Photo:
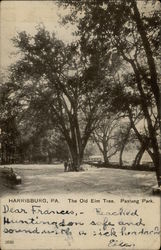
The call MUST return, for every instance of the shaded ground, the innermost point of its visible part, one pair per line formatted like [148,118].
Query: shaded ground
[47,179]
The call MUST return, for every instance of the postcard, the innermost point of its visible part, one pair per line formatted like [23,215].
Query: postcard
[80,125]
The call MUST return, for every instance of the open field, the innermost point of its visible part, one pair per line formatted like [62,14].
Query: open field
[51,179]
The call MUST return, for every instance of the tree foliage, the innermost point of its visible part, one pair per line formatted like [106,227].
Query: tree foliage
[55,83]
[131,33]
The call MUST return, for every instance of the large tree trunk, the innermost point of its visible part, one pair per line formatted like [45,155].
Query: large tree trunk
[154,89]
[121,154]
[156,158]
[105,157]
[2,154]
[76,155]
[106,160]
[154,86]
[149,54]
[123,146]
[139,156]
[76,160]
[49,158]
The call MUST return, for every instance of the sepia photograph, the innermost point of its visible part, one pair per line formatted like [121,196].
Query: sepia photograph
[80,97]
[80,116]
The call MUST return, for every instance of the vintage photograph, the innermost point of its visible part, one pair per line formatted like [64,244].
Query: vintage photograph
[80,98]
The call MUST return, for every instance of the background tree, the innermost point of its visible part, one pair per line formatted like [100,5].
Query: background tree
[9,134]
[26,134]
[107,136]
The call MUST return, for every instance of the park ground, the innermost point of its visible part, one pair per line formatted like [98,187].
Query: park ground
[51,179]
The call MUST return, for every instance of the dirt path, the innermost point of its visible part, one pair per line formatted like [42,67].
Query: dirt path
[51,179]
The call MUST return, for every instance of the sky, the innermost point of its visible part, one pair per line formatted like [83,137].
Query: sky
[26,15]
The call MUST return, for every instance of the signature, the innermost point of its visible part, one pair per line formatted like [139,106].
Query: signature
[117,243]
